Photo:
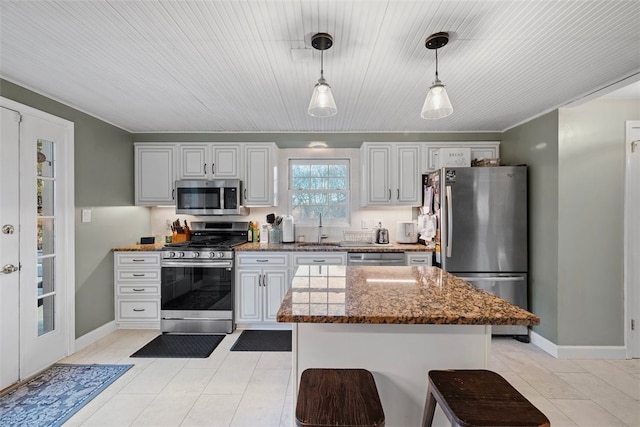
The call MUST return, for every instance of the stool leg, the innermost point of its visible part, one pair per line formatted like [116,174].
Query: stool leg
[429,409]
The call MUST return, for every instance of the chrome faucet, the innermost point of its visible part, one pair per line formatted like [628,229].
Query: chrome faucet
[320,235]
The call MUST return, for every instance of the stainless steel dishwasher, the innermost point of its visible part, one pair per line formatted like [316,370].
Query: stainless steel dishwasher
[376,258]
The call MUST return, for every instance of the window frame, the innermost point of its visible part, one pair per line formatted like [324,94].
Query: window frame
[326,221]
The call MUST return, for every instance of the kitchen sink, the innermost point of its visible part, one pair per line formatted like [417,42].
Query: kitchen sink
[312,244]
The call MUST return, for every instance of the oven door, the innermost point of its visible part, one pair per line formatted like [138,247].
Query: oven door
[197,296]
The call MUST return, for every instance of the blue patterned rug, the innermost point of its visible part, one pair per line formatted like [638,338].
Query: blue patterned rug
[54,396]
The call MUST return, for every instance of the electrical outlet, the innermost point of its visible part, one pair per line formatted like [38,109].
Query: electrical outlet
[169,222]
[364,224]
[376,223]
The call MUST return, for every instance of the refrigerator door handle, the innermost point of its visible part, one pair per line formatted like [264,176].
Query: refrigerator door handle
[449,222]
[493,279]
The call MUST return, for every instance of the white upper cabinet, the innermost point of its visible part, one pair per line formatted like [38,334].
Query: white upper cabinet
[209,161]
[154,174]
[478,149]
[260,186]
[390,174]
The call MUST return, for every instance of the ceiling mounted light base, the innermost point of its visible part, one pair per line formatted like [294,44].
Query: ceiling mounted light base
[321,41]
[437,40]
[322,103]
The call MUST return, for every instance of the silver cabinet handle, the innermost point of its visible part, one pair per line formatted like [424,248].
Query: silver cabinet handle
[389,194]
[138,309]
[205,168]
[137,260]
[262,260]
[245,194]
[319,260]
[138,275]
[418,261]
[138,290]
[173,194]
[213,168]
[398,196]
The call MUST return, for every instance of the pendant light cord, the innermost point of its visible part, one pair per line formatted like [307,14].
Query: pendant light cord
[436,64]
[322,64]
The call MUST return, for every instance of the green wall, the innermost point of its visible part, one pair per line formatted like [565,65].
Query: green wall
[576,195]
[103,162]
[536,144]
[591,222]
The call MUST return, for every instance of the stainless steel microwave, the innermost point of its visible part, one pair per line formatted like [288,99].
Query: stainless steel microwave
[210,197]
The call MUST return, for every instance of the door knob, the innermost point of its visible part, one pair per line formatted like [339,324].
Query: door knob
[7,229]
[9,268]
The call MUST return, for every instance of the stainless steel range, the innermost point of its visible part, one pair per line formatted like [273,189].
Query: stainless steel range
[198,279]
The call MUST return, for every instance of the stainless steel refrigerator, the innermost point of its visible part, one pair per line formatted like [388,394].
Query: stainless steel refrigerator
[482,229]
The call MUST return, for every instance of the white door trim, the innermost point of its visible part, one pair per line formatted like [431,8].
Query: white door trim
[69,217]
[631,244]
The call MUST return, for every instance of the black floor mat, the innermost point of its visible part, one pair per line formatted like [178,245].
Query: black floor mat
[252,340]
[173,345]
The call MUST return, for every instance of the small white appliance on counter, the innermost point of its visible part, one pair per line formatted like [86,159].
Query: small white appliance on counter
[287,229]
[407,232]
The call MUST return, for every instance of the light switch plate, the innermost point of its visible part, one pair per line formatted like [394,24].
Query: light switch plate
[364,224]
[86,215]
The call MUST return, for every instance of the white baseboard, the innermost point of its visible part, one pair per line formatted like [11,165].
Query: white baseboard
[578,351]
[93,336]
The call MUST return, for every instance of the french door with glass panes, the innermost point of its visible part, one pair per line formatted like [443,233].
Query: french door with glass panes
[36,242]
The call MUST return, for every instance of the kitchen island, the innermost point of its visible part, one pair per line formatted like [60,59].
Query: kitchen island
[397,322]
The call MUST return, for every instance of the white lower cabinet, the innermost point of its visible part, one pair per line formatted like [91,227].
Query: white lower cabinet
[137,290]
[262,280]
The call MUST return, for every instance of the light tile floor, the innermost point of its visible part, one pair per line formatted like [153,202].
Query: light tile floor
[254,389]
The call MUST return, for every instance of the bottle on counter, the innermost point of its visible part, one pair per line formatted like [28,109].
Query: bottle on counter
[256,232]
[250,232]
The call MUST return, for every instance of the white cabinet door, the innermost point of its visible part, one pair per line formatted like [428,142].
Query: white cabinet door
[192,161]
[209,161]
[154,174]
[260,175]
[249,296]
[275,286]
[408,175]
[391,174]
[225,162]
[376,184]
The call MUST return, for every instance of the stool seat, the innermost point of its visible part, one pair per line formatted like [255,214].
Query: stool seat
[338,397]
[479,398]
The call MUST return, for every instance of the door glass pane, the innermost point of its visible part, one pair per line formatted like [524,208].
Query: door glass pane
[45,275]
[46,314]
[45,197]
[45,158]
[45,236]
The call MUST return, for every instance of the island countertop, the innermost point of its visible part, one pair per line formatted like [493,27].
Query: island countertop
[393,295]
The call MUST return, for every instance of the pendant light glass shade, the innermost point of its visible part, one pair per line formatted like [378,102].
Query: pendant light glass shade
[437,104]
[322,103]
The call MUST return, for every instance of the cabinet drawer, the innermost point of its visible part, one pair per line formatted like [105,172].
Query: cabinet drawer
[138,275]
[320,258]
[134,309]
[137,259]
[146,289]
[272,259]
[417,259]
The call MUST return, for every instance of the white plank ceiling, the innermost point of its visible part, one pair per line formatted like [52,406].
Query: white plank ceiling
[232,66]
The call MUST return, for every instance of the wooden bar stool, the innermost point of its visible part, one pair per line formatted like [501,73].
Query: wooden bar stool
[479,398]
[338,397]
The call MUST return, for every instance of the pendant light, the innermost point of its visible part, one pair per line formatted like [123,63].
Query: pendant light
[437,104]
[322,103]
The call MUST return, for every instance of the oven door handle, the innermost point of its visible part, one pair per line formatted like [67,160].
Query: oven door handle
[207,264]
